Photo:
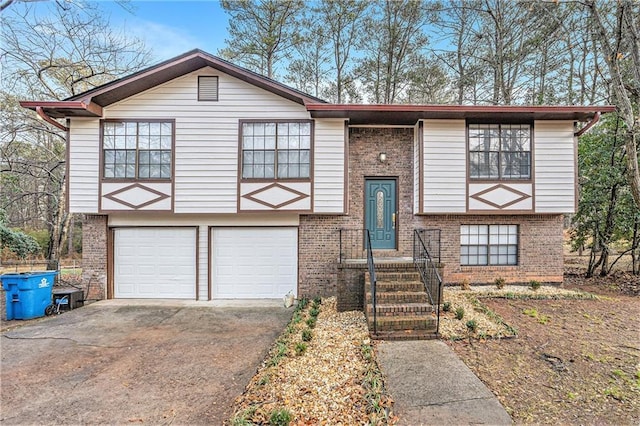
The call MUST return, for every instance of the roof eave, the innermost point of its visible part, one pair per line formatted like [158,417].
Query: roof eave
[381,114]
[194,60]
[64,109]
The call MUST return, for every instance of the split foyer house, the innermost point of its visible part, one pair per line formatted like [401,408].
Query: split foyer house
[202,180]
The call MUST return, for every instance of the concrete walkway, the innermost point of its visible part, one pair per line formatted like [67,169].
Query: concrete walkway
[432,386]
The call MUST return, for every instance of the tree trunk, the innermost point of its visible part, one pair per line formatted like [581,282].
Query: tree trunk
[70,232]
[604,262]
[635,243]
[623,102]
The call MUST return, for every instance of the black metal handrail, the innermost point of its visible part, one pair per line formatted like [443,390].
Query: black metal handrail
[431,241]
[352,244]
[372,278]
[428,271]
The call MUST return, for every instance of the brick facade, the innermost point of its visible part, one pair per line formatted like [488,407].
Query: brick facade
[94,256]
[540,236]
[540,255]
[319,236]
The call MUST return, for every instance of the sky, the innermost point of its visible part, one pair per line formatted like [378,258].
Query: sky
[173,27]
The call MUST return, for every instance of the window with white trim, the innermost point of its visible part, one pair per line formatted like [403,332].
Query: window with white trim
[499,151]
[276,150]
[488,245]
[137,149]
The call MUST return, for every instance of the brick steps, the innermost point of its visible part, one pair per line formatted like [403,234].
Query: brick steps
[391,297]
[405,335]
[403,311]
[395,276]
[405,322]
[400,309]
[395,286]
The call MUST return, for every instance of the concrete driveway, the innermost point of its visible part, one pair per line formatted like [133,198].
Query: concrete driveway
[128,363]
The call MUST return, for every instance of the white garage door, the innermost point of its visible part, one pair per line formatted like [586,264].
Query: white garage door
[155,263]
[254,263]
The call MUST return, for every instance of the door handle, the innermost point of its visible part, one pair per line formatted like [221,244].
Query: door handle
[393,221]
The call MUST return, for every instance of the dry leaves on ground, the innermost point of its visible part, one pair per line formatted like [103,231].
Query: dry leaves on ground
[488,323]
[335,380]
[579,366]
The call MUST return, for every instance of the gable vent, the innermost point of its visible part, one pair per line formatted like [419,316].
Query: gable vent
[208,88]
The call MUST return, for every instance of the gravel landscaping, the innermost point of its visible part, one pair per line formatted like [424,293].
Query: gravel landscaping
[318,372]
[550,355]
[487,323]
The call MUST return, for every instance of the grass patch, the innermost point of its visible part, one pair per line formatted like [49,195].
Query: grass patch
[242,418]
[280,417]
[71,271]
[378,402]
[493,316]
[533,313]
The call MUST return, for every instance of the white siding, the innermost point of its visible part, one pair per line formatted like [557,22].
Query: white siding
[445,175]
[206,154]
[84,160]
[282,196]
[554,163]
[329,170]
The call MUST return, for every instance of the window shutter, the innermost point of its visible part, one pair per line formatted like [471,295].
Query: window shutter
[208,88]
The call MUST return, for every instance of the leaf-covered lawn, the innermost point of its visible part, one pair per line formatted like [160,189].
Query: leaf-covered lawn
[573,361]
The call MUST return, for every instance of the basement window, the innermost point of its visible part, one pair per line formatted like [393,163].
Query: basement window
[488,245]
[208,88]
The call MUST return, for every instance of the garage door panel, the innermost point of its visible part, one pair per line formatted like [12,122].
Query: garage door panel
[155,263]
[254,262]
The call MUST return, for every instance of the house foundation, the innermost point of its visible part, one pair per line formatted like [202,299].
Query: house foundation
[94,256]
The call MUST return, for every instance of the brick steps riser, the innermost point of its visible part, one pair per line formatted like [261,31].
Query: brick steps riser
[398,297]
[403,323]
[392,286]
[397,327]
[403,310]
[405,335]
[395,276]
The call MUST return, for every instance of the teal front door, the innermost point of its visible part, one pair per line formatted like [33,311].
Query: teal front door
[380,212]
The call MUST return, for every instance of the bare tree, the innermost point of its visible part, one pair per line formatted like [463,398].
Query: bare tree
[618,37]
[339,23]
[51,56]
[310,70]
[455,25]
[394,42]
[428,84]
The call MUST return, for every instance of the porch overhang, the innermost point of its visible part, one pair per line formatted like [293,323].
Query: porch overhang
[409,115]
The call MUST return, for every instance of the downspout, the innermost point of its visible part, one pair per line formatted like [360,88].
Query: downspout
[50,120]
[589,125]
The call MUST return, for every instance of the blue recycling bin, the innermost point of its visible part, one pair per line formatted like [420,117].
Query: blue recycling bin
[27,294]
